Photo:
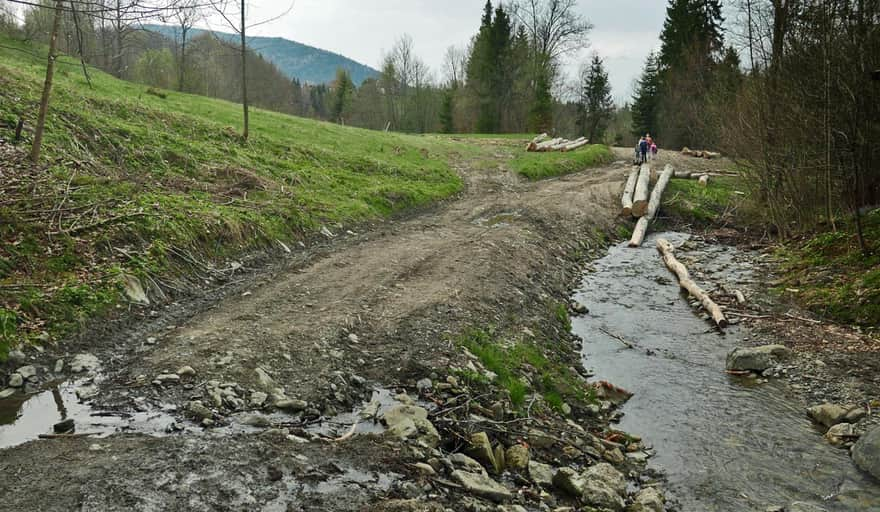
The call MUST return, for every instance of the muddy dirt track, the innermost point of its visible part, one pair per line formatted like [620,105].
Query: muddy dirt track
[378,309]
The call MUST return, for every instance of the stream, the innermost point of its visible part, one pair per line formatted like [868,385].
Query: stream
[725,443]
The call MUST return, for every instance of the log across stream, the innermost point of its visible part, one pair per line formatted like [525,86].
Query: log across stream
[726,445]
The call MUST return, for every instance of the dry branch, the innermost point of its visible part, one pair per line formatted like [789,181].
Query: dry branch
[684,279]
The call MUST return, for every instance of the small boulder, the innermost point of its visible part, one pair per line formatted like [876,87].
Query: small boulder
[59,366]
[756,359]
[866,452]
[186,371]
[263,379]
[258,398]
[64,427]
[828,414]
[840,434]
[168,378]
[84,363]
[541,474]
[570,482]
[481,485]
[406,421]
[517,457]
[15,381]
[481,449]
[424,385]
[648,499]
[607,474]
[292,404]
[6,393]
[197,409]
[27,372]
[462,461]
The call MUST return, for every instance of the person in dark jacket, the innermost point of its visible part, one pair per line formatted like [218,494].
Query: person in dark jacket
[643,150]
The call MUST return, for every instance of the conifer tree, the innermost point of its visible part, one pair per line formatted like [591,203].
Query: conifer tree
[596,105]
[646,100]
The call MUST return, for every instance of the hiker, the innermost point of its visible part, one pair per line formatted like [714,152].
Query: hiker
[650,142]
[643,150]
[654,150]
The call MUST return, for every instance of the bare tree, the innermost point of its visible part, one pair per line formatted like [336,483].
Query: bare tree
[554,26]
[47,85]
[454,66]
[185,16]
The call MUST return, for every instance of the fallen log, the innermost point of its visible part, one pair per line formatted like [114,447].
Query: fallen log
[571,146]
[544,146]
[640,196]
[540,138]
[626,201]
[684,280]
[653,205]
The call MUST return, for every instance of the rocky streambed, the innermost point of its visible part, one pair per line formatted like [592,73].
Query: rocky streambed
[726,412]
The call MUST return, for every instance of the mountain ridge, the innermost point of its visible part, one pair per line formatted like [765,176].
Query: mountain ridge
[296,60]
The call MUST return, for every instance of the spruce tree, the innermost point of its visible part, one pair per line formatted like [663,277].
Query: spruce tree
[342,95]
[596,105]
[646,100]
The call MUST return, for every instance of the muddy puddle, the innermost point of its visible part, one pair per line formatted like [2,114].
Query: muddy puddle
[725,443]
[25,418]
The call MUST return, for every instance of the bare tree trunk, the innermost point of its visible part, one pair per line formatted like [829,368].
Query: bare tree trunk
[244,96]
[182,61]
[47,85]
[685,281]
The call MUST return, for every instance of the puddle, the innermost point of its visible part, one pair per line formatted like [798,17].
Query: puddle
[24,418]
[498,221]
[724,445]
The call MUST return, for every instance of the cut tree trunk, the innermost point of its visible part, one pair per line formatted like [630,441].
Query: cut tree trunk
[626,201]
[684,279]
[640,196]
[542,146]
[653,205]
[704,180]
[571,146]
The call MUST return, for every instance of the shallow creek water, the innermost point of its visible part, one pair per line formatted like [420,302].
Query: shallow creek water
[725,443]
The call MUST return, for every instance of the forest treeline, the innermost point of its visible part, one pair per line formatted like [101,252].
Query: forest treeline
[789,89]
[507,78]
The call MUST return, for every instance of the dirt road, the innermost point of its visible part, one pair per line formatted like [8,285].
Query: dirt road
[376,310]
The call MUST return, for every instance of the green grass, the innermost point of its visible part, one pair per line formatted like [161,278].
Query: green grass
[168,182]
[535,166]
[510,361]
[687,200]
[828,274]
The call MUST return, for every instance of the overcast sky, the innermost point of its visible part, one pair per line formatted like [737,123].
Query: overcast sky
[624,30]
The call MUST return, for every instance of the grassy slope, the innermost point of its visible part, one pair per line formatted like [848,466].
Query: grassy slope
[180,184]
[535,166]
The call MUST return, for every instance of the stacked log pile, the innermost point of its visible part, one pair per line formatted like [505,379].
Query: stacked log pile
[700,153]
[543,143]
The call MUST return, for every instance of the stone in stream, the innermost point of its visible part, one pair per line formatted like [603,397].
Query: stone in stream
[84,363]
[15,381]
[831,414]
[59,366]
[482,486]
[186,371]
[63,427]
[840,434]
[407,421]
[263,378]
[648,500]
[27,372]
[197,409]
[866,452]
[756,359]
[292,404]
[6,393]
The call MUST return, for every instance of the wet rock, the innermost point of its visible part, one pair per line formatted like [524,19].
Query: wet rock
[258,398]
[462,461]
[84,363]
[63,427]
[186,371]
[855,414]
[407,421]
[756,359]
[15,381]
[482,486]
[27,372]
[840,434]
[480,448]
[517,457]
[647,500]
[197,409]
[255,420]
[614,456]
[263,379]
[208,422]
[828,414]
[6,393]
[292,404]
[866,452]
[86,392]
[541,474]
[59,366]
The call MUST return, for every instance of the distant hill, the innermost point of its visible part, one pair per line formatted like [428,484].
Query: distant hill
[296,60]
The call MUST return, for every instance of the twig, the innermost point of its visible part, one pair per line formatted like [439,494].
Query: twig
[810,320]
[348,435]
[99,223]
[618,338]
